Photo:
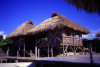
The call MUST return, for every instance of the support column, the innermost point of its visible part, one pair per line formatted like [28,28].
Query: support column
[74,44]
[66,49]
[48,50]
[63,49]
[8,52]
[91,54]
[38,52]
[1,61]
[35,52]
[24,50]
[17,53]
[51,51]
[31,53]
[74,50]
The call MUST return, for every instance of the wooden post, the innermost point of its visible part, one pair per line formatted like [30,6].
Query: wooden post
[63,42]
[74,50]
[66,49]
[19,50]
[35,52]
[48,50]
[8,52]
[91,54]
[24,50]
[17,53]
[1,61]
[31,53]
[38,52]
[51,51]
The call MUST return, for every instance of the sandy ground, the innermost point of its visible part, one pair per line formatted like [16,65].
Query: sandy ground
[20,64]
[75,59]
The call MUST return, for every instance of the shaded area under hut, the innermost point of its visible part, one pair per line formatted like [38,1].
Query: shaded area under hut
[21,46]
[57,33]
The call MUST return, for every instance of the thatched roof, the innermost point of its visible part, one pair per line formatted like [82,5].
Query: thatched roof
[21,30]
[90,6]
[57,21]
[98,34]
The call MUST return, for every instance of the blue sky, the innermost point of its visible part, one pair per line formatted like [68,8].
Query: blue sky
[15,12]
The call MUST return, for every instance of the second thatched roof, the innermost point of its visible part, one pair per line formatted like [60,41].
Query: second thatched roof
[98,34]
[57,21]
[21,30]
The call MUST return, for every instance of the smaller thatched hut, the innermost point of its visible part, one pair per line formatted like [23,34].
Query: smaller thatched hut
[98,34]
[21,30]
[19,36]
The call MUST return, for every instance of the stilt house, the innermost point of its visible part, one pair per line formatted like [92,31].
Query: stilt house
[58,30]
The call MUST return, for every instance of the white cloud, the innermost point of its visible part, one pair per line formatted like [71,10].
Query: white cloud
[2,33]
[91,35]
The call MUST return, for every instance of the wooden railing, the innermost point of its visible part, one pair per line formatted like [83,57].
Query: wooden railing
[68,40]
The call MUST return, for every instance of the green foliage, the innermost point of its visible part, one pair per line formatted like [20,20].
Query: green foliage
[96,39]
[4,41]
[1,37]
[85,40]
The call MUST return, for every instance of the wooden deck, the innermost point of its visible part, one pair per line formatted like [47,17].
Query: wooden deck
[16,59]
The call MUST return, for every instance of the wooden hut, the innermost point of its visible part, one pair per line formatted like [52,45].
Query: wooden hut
[59,30]
[18,36]
[98,34]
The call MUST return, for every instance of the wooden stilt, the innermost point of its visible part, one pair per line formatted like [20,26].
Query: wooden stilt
[19,50]
[8,52]
[35,52]
[17,53]
[31,53]
[63,49]
[38,52]
[48,50]
[24,50]
[51,51]
[74,50]
[66,49]
[1,61]
[91,54]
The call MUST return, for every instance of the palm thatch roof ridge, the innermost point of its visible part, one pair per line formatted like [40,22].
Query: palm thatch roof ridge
[21,30]
[57,21]
[98,34]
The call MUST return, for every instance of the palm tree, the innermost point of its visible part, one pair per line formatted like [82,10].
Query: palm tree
[90,6]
